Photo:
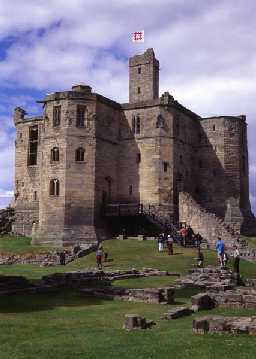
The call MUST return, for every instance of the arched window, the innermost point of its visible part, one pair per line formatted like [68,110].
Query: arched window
[55,154]
[54,187]
[80,154]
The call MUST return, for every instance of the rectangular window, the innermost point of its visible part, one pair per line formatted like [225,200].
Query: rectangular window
[32,146]
[138,157]
[165,165]
[138,89]
[137,125]
[130,190]
[213,128]
[133,124]
[80,115]
[35,196]
[139,70]
[56,116]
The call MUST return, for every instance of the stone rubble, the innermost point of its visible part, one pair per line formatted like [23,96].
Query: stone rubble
[177,312]
[208,278]
[146,295]
[225,325]
[135,321]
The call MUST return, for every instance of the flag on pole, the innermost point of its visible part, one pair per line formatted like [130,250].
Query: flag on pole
[138,36]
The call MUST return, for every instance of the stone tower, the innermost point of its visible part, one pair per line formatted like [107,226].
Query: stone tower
[143,77]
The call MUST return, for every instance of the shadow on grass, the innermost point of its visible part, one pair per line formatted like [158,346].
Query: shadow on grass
[43,302]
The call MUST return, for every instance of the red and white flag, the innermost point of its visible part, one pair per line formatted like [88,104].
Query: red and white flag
[138,36]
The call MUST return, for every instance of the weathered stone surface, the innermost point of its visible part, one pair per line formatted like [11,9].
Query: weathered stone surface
[228,325]
[233,299]
[202,301]
[135,321]
[177,312]
[209,278]
[150,295]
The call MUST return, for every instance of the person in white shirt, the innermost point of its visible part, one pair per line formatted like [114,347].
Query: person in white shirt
[170,241]
[236,256]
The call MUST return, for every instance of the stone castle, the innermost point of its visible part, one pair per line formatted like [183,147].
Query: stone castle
[87,152]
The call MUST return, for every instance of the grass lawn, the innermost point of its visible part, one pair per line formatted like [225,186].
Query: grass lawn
[66,325]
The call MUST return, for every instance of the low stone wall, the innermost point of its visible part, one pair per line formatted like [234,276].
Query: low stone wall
[238,298]
[147,295]
[45,259]
[14,284]
[64,279]
[225,325]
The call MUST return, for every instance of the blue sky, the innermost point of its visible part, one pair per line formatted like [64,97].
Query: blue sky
[207,53]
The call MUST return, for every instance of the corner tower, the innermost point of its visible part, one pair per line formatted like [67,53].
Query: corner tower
[143,77]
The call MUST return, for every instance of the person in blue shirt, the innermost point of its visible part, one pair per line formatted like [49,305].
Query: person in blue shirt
[220,248]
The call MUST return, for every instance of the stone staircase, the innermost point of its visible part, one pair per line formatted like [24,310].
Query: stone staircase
[207,224]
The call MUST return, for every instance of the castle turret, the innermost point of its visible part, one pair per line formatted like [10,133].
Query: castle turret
[19,114]
[143,77]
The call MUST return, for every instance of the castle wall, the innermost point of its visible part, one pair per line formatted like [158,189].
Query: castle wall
[27,180]
[143,176]
[107,153]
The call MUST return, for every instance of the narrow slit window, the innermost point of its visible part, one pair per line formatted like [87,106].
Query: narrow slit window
[33,145]
[165,166]
[137,124]
[80,154]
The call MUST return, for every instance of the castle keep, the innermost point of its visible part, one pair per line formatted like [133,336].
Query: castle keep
[87,151]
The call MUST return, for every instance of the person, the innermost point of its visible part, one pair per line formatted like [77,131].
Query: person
[190,234]
[225,259]
[62,258]
[236,256]
[200,258]
[220,248]
[161,242]
[99,255]
[170,241]
[183,233]
[198,239]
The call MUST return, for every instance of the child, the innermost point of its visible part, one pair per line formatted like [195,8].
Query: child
[170,244]
[225,260]
[200,259]
[99,255]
